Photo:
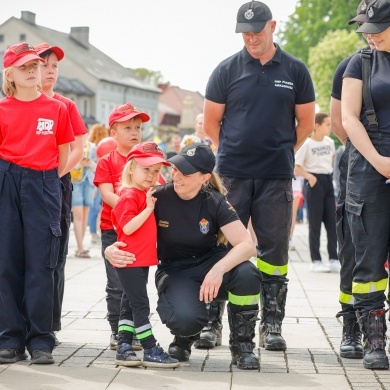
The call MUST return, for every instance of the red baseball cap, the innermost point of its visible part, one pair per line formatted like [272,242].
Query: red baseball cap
[19,54]
[43,47]
[124,113]
[146,154]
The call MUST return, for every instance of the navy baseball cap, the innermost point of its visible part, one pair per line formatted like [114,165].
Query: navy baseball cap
[360,12]
[196,157]
[252,17]
[377,17]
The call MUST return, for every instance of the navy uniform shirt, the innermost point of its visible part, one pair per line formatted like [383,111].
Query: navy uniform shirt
[258,127]
[380,86]
[188,228]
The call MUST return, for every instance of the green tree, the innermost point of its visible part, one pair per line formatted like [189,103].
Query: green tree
[312,20]
[153,77]
[324,58]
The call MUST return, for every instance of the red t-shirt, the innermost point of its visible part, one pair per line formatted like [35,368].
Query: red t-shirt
[76,120]
[30,132]
[143,241]
[109,170]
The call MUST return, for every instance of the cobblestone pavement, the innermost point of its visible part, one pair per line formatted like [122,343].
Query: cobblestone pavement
[313,334]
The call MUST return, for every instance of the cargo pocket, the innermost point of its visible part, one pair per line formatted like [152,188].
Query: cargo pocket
[164,307]
[54,245]
[358,231]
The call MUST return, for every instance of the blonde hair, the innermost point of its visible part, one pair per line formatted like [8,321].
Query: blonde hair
[97,132]
[126,178]
[9,87]
[215,182]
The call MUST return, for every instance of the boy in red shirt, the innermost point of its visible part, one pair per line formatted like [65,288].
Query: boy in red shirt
[125,123]
[35,133]
[49,75]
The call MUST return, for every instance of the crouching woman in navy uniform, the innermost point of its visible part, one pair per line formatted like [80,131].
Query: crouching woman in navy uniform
[195,222]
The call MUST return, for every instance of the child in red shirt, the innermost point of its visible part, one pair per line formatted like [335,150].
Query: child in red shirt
[35,133]
[134,221]
[125,123]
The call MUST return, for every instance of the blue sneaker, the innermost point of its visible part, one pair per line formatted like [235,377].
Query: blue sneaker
[157,357]
[125,356]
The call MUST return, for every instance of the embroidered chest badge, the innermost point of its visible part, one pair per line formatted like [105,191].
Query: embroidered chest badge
[204,226]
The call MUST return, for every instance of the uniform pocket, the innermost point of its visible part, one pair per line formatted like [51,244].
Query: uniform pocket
[54,245]
[355,209]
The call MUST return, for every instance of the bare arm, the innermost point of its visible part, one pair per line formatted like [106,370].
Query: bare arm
[213,114]
[108,194]
[304,114]
[63,152]
[243,249]
[351,104]
[336,120]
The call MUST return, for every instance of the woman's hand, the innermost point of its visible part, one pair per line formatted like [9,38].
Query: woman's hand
[210,286]
[117,257]
[312,180]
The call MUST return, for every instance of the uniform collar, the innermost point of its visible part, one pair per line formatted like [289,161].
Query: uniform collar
[248,58]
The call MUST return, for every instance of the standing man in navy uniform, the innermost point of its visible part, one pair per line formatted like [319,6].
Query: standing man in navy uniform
[259,109]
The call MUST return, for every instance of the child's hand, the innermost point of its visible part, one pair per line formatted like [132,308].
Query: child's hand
[150,199]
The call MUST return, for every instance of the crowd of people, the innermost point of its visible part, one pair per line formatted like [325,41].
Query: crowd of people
[228,193]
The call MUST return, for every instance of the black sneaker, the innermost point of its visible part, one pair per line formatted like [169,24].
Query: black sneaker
[125,356]
[113,341]
[157,357]
[39,356]
[11,356]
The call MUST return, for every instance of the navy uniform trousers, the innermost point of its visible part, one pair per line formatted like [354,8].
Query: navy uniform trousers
[30,207]
[178,285]
[368,210]
[59,272]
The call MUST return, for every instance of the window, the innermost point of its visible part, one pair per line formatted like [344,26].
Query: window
[1,38]
[22,37]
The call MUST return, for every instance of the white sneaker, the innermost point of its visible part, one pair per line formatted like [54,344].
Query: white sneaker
[334,265]
[319,266]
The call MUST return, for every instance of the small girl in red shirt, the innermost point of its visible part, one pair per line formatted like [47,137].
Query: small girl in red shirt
[134,221]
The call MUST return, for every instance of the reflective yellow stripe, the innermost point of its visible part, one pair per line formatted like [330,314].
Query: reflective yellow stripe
[365,288]
[244,300]
[347,299]
[270,269]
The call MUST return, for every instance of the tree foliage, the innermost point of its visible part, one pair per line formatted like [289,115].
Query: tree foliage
[312,20]
[324,58]
[153,77]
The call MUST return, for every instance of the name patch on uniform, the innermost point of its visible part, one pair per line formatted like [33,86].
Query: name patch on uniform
[164,224]
[45,126]
[204,226]
[284,84]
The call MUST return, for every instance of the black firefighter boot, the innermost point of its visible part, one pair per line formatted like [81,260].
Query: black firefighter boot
[273,300]
[351,342]
[373,327]
[180,348]
[211,334]
[242,332]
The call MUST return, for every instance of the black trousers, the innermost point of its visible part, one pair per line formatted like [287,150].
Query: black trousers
[114,289]
[368,208]
[30,208]
[59,271]
[321,207]
[346,249]
[178,286]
